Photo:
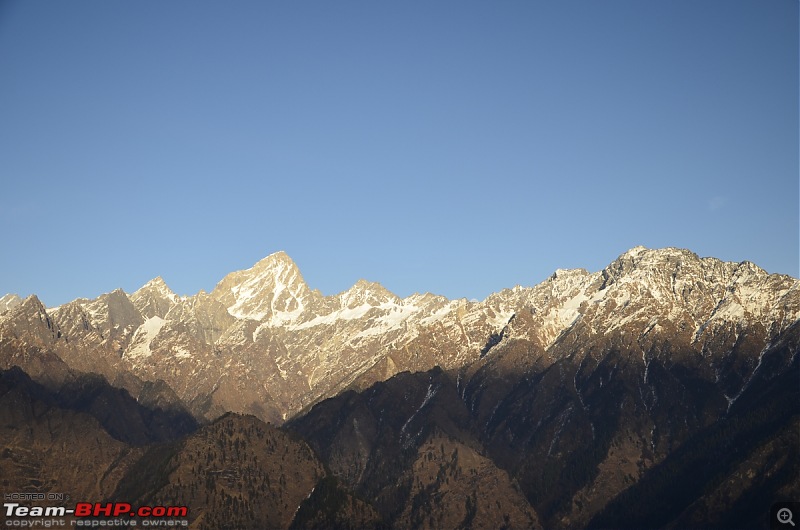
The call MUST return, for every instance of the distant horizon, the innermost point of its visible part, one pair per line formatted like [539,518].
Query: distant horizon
[448,147]
[312,287]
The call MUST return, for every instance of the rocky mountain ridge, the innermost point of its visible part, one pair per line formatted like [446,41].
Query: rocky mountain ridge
[263,342]
[659,392]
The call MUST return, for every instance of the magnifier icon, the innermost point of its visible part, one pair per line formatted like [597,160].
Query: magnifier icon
[785,516]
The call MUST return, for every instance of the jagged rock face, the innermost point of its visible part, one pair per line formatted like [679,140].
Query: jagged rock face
[656,347]
[273,290]
[29,321]
[573,398]
[154,299]
[263,342]
[9,301]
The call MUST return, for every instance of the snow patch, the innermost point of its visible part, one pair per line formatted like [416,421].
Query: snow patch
[428,396]
[143,336]
[347,313]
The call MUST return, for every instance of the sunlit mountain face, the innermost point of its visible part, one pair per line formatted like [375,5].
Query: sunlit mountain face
[659,392]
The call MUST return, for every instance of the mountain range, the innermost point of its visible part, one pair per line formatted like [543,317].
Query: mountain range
[659,392]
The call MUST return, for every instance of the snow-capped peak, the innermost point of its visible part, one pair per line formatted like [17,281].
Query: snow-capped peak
[273,260]
[9,301]
[157,285]
[272,288]
[366,292]
[154,298]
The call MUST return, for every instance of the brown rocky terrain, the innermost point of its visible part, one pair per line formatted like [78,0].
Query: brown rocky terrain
[50,448]
[236,472]
[659,392]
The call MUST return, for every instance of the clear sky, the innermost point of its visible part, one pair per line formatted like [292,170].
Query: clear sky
[456,147]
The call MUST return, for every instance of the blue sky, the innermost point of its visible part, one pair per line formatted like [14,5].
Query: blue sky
[452,147]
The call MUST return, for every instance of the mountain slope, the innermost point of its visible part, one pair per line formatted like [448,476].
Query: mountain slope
[262,342]
[408,447]
[560,405]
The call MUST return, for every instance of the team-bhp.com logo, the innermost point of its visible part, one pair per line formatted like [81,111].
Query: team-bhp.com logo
[91,514]
[86,509]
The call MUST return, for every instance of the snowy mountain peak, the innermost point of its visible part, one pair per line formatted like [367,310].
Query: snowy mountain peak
[30,319]
[638,249]
[156,283]
[31,303]
[157,286]
[27,309]
[366,292]
[154,298]
[560,274]
[277,268]
[641,260]
[273,288]
[748,268]
[9,301]
[264,330]
[644,264]
[275,261]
